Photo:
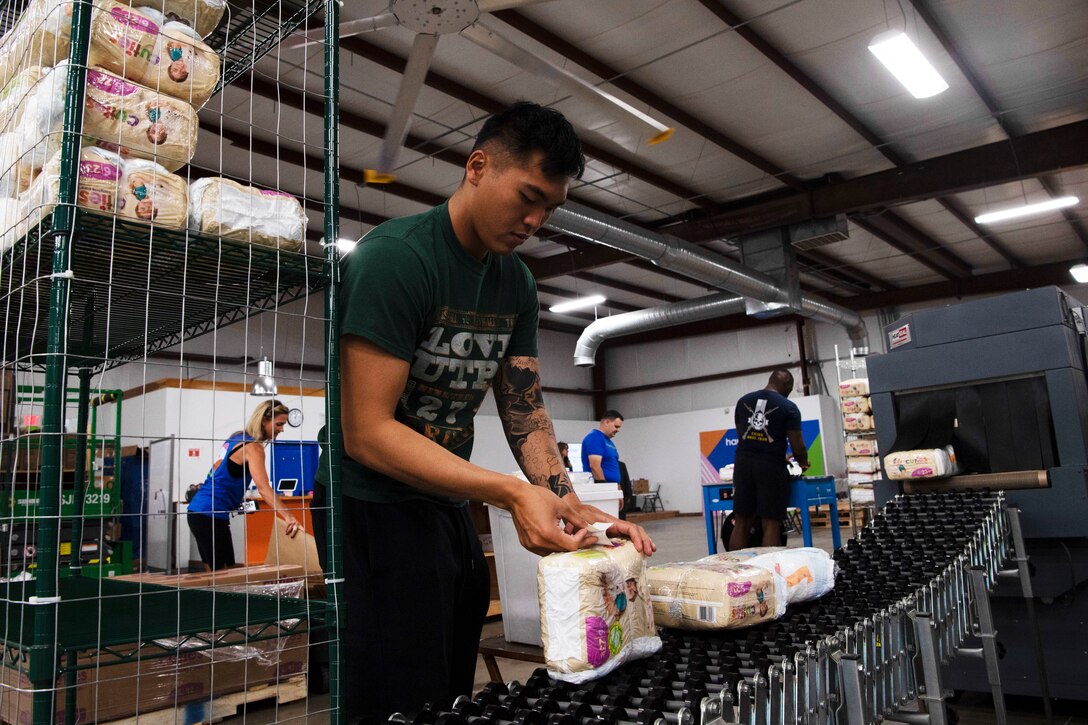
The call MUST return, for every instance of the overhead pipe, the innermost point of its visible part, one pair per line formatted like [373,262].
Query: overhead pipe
[699,264]
[675,313]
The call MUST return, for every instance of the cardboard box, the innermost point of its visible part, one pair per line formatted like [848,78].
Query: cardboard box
[640,485]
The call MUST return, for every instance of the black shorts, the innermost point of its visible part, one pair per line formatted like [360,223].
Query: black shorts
[761,487]
[213,540]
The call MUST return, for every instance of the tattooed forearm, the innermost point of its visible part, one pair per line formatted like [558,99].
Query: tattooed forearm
[527,424]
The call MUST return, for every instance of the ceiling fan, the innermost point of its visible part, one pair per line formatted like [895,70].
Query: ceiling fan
[431,19]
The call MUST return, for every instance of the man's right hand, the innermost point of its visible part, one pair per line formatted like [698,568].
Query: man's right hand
[543,521]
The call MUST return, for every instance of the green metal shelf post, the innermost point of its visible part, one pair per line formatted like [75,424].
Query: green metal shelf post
[80,476]
[333,575]
[43,655]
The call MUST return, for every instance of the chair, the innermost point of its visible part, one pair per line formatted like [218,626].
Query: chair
[652,501]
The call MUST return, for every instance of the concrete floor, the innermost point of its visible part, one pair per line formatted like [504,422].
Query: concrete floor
[684,539]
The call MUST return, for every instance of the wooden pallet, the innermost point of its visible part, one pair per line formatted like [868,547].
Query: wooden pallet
[823,518]
[638,517]
[222,706]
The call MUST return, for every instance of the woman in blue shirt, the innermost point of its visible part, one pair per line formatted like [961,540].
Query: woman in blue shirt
[225,487]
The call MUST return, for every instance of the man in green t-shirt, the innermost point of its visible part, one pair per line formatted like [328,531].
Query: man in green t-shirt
[436,310]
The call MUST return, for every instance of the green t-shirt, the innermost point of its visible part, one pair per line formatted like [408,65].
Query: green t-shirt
[411,289]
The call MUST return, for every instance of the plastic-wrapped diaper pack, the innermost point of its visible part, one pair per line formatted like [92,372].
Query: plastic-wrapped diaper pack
[862,464]
[856,404]
[594,611]
[809,573]
[860,448]
[14,96]
[738,588]
[169,57]
[928,463]
[222,207]
[40,37]
[16,174]
[857,421]
[709,594]
[854,387]
[200,15]
[135,189]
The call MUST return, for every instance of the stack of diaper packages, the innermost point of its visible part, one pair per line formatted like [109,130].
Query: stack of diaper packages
[147,74]
[739,588]
[862,463]
[594,610]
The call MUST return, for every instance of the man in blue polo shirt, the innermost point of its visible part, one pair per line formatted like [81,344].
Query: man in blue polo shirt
[599,454]
[765,422]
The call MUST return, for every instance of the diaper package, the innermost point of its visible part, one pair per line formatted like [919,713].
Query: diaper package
[809,573]
[856,404]
[98,188]
[201,15]
[928,463]
[15,174]
[594,611]
[862,493]
[222,207]
[14,95]
[854,387]
[857,422]
[854,479]
[709,594]
[12,226]
[167,57]
[862,464]
[860,447]
[40,38]
[150,193]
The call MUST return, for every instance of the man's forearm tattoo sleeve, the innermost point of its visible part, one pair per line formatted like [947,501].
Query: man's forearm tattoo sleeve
[528,426]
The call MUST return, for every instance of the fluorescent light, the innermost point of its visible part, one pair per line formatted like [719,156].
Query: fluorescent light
[901,56]
[1080,273]
[346,245]
[1027,210]
[577,304]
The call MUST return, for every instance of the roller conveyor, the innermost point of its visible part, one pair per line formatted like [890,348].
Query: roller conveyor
[907,598]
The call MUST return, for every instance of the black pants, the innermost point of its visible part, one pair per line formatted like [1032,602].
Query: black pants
[416,592]
[213,540]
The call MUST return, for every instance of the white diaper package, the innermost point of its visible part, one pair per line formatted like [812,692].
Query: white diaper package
[862,493]
[856,404]
[594,610]
[709,594]
[865,447]
[857,422]
[862,464]
[808,572]
[854,387]
[269,218]
[927,463]
[856,478]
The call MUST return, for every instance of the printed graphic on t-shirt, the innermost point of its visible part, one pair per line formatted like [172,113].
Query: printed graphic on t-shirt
[759,420]
[451,372]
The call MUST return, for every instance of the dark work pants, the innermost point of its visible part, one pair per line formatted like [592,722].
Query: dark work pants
[416,592]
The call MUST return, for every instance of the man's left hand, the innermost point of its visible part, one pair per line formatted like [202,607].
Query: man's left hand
[625,529]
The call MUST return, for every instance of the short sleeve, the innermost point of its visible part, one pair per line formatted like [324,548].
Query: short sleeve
[593,445]
[386,295]
[523,338]
[793,420]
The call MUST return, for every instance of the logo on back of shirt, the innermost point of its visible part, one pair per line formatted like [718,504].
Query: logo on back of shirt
[759,419]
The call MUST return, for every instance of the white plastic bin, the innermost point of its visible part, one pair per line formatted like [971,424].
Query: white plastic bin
[516,567]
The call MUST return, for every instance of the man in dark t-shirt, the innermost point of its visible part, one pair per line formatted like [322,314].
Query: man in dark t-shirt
[436,310]
[766,421]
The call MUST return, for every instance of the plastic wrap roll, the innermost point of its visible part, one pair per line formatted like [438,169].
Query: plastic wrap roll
[201,15]
[150,193]
[222,207]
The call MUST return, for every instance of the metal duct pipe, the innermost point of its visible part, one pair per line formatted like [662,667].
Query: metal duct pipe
[676,313]
[700,264]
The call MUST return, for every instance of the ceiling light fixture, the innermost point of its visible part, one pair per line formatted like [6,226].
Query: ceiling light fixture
[344,245]
[265,384]
[578,304]
[1027,210]
[901,56]
[1080,273]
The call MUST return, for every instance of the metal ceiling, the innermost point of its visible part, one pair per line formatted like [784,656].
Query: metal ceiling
[781,114]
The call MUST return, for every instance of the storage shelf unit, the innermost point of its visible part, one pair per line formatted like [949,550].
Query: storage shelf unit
[84,293]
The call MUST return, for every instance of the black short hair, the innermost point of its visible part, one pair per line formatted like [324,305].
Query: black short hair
[611,415]
[525,128]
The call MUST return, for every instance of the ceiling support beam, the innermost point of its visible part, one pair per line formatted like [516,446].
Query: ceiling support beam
[910,240]
[1023,157]
[812,87]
